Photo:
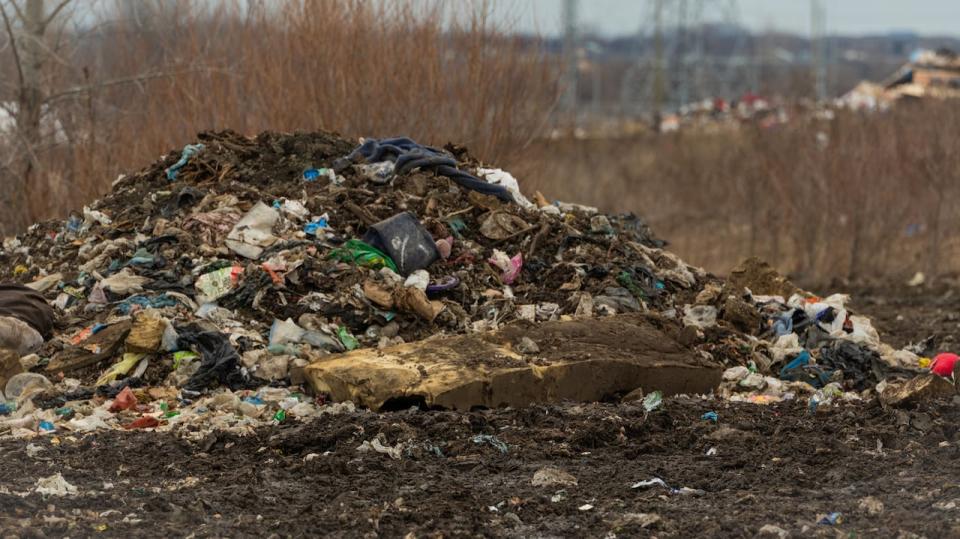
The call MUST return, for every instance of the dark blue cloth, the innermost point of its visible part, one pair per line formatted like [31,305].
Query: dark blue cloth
[408,155]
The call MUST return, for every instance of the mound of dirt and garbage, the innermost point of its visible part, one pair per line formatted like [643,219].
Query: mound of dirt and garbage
[243,281]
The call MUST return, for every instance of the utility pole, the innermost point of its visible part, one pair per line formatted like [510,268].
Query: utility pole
[659,75]
[818,49]
[571,75]
[681,60]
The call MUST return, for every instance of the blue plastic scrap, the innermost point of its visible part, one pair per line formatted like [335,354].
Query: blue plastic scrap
[492,440]
[255,399]
[74,222]
[313,174]
[189,151]
[155,302]
[312,227]
[832,519]
[710,416]
[784,324]
[802,360]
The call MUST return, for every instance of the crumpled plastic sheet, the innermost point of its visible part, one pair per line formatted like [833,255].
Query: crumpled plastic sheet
[219,361]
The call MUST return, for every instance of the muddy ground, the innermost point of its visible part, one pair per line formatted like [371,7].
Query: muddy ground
[891,473]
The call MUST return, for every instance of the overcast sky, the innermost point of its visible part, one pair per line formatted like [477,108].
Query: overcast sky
[614,17]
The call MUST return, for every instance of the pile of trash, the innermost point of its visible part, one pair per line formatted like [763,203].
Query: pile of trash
[814,347]
[194,295]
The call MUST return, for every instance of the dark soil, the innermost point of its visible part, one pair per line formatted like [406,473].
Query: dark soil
[909,315]
[776,465]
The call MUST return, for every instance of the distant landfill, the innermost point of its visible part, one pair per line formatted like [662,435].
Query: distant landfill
[928,75]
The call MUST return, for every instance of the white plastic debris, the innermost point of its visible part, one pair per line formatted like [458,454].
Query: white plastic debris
[503,178]
[124,282]
[701,316]
[285,332]
[55,485]
[294,209]
[16,334]
[735,374]
[419,279]
[45,283]
[254,232]
[378,446]
[92,216]
[647,483]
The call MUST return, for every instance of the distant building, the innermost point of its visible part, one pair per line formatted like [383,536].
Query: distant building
[928,74]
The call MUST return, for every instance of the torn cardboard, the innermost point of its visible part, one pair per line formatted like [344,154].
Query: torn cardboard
[581,360]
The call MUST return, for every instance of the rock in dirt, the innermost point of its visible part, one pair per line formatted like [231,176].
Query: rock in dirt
[760,278]
[9,365]
[741,315]
[634,396]
[871,506]
[640,520]
[916,390]
[527,346]
[769,530]
[725,433]
[553,477]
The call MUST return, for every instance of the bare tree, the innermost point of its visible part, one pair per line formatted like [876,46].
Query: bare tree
[49,74]
[27,29]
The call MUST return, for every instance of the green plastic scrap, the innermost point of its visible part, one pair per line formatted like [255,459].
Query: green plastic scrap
[280,416]
[457,226]
[627,282]
[181,356]
[653,401]
[121,368]
[363,254]
[74,291]
[349,341]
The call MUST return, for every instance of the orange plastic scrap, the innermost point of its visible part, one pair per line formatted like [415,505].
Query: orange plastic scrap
[82,336]
[272,270]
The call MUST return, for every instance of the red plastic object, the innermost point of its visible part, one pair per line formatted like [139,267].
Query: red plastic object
[943,363]
[143,422]
[124,401]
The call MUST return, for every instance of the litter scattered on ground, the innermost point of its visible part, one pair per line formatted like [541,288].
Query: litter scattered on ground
[223,286]
[55,485]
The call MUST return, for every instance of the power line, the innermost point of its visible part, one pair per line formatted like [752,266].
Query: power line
[570,45]
[818,48]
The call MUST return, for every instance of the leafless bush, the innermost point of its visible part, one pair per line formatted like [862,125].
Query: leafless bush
[145,77]
[859,196]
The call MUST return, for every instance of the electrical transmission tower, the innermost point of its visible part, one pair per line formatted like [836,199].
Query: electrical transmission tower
[818,48]
[689,50]
[570,46]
